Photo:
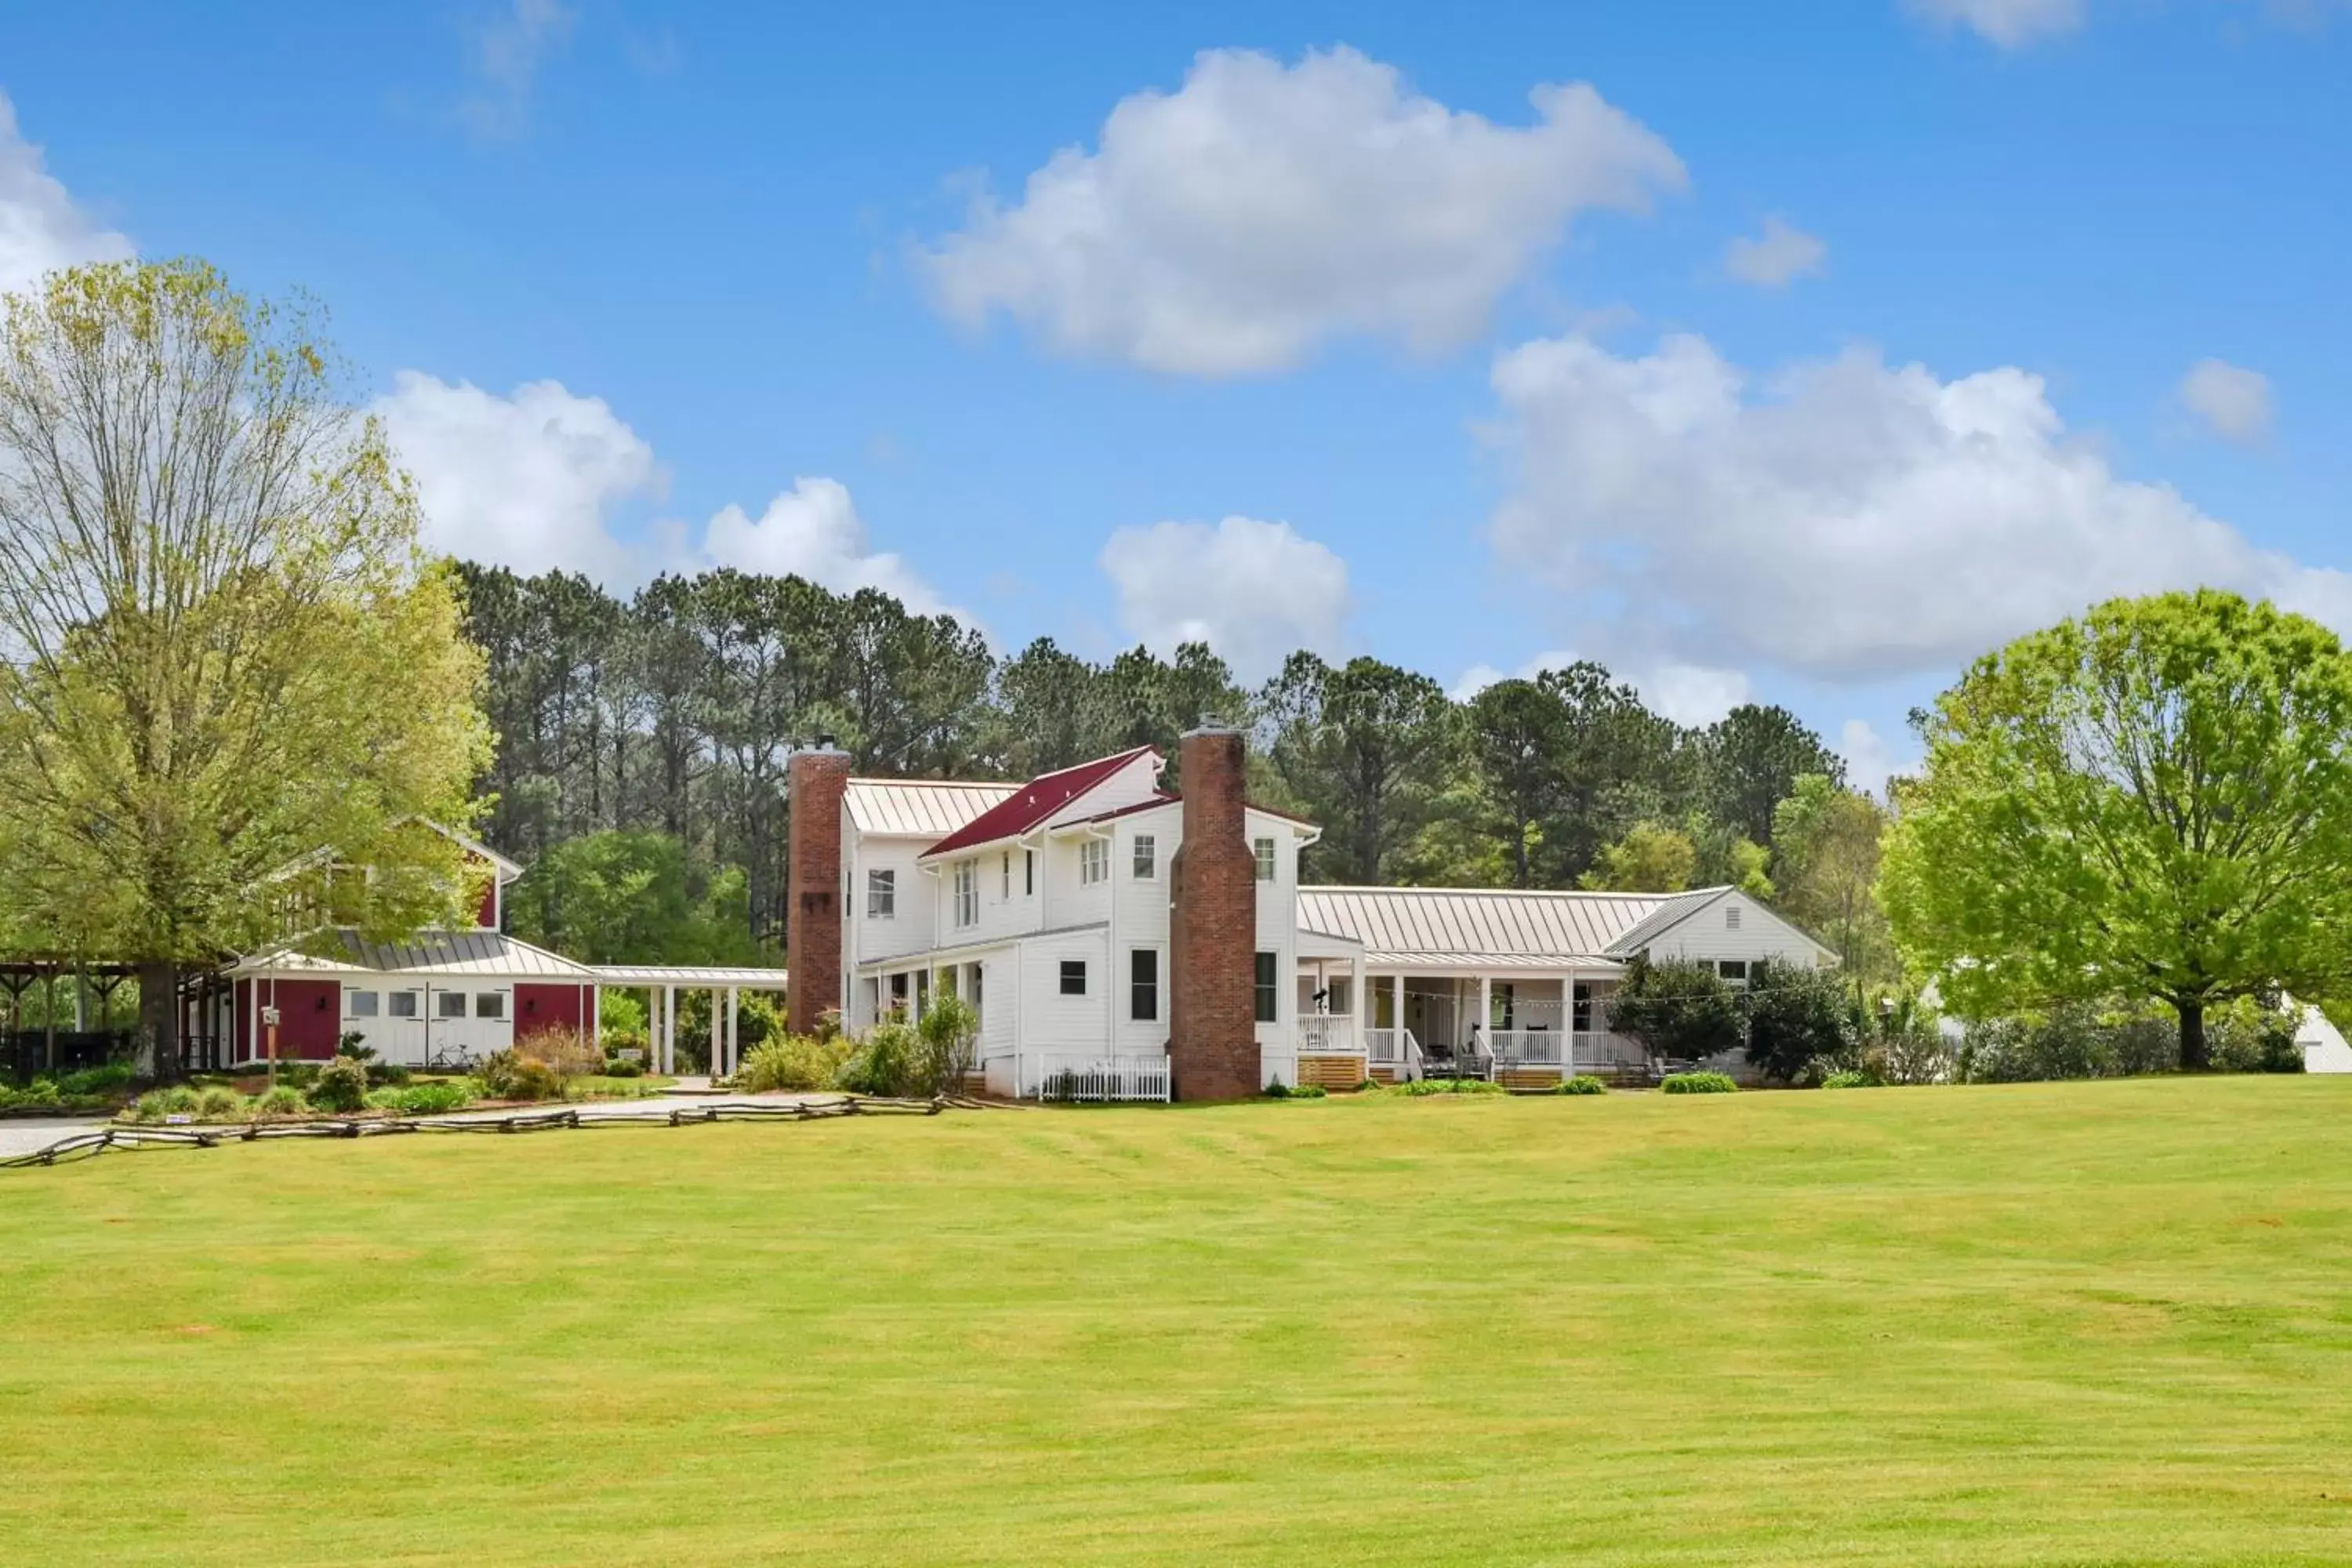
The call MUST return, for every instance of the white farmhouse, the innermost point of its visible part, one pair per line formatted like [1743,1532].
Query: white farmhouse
[1105,956]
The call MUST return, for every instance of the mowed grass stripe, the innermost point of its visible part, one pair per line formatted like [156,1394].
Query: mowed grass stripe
[2090,1324]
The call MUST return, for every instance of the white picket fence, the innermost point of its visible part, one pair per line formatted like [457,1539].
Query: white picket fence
[1093,1079]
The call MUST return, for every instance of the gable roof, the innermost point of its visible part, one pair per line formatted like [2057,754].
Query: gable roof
[1034,803]
[488,953]
[1683,906]
[1671,911]
[1448,925]
[920,808]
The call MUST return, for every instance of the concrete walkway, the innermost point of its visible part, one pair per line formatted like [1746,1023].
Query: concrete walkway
[22,1136]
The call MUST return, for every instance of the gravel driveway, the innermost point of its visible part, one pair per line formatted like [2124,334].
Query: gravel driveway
[22,1136]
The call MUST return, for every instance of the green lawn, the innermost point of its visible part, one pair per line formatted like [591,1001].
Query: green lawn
[2088,1323]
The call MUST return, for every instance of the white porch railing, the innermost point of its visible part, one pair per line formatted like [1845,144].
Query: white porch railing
[1524,1047]
[1324,1033]
[1092,1079]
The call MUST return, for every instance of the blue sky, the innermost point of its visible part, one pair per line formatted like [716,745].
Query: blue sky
[2039,302]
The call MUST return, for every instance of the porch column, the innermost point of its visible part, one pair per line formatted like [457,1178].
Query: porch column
[1568,1024]
[734,1034]
[1486,1019]
[1396,1020]
[669,1029]
[1360,1001]
[718,1041]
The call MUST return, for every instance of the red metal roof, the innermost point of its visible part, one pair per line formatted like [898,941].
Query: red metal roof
[1034,803]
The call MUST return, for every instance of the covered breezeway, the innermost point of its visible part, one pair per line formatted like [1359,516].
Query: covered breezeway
[662,982]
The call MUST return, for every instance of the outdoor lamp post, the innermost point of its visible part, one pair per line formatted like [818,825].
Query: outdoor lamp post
[269,1026]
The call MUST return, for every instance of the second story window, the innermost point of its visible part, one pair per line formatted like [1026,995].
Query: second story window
[1147,857]
[1264,849]
[881,895]
[1005,878]
[967,892]
[1094,861]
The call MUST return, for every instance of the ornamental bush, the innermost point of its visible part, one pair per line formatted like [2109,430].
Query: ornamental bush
[796,1064]
[1420,1088]
[1849,1080]
[1699,1083]
[563,1049]
[437,1097]
[283,1100]
[342,1085]
[1582,1083]
[1277,1090]
[510,1075]
[220,1104]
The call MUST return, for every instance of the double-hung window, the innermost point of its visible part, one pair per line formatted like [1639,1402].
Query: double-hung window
[881,895]
[1263,849]
[967,892]
[1094,861]
[1268,987]
[1147,857]
[1143,984]
[1074,977]
[1004,880]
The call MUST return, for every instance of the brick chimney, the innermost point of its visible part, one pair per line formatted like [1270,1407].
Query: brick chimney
[1212,926]
[817,779]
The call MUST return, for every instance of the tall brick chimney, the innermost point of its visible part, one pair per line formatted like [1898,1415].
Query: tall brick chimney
[1213,927]
[813,896]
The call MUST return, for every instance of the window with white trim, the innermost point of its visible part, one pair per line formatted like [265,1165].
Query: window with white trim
[1143,984]
[1094,861]
[490,1004]
[452,1003]
[1074,977]
[361,1003]
[1269,986]
[967,892]
[881,895]
[1004,880]
[402,1004]
[1147,857]
[1263,849]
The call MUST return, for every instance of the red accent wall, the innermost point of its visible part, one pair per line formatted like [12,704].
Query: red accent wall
[309,1019]
[537,1007]
[487,915]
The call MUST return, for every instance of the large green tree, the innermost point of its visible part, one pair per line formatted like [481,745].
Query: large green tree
[1365,748]
[1827,842]
[1750,761]
[2153,800]
[220,650]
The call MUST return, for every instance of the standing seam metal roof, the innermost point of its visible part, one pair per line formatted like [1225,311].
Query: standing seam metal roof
[1487,923]
[921,808]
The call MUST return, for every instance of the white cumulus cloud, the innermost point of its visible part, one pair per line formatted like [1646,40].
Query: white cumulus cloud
[2233,402]
[2009,24]
[42,228]
[1261,209]
[1693,695]
[1777,257]
[812,531]
[1871,759]
[1845,517]
[1252,591]
[529,480]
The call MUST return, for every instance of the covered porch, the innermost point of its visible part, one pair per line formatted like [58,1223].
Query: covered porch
[1527,1028]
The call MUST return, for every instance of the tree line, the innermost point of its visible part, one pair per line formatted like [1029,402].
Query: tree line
[647,738]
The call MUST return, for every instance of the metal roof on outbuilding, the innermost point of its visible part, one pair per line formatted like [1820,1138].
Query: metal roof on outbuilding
[482,953]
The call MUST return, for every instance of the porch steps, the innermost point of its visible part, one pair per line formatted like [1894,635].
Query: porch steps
[1384,1076]
[1524,1081]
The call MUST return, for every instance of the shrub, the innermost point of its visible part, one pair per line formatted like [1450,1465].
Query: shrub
[40,1095]
[283,1100]
[625,1068]
[1277,1090]
[1677,1010]
[1849,1080]
[796,1063]
[510,1075]
[1699,1083]
[163,1104]
[112,1078]
[2073,1040]
[948,1030]
[342,1086]
[563,1050]
[353,1044]
[218,1104]
[386,1074]
[1796,1013]
[891,1062]
[437,1097]
[2247,1038]
[1420,1088]
[615,1041]
[1582,1083]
